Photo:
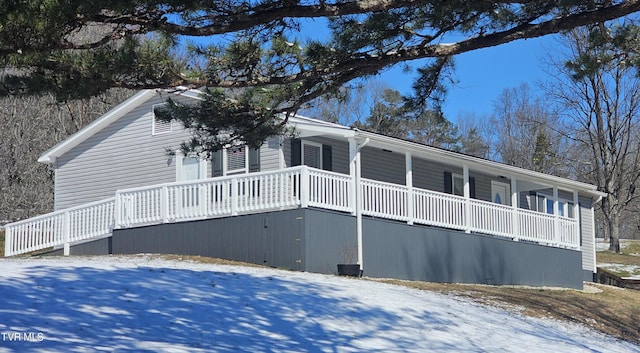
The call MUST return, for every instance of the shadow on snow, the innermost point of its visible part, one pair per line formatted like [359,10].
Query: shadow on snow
[151,309]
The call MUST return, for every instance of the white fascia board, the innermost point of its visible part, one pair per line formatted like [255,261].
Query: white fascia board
[83,134]
[479,164]
[308,130]
[307,127]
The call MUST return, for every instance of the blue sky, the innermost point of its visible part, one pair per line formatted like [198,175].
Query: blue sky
[483,74]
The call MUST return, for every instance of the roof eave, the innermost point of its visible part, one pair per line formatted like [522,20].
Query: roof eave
[507,170]
[83,134]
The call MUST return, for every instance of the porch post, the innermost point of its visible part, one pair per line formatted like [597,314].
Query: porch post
[8,241]
[467,197]
[66,229]
[304,187]
[576,218]
[234,196]
[164,204]
[514,205]
[117,211]
[281,161]
[358,192]
[353,151]
[409,184]
[225,161]
[556,218]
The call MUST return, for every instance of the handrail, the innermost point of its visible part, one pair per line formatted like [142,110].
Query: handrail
[60,228]
[300,186]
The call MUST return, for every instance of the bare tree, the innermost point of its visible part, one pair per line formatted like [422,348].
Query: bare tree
[523,133]
[600,97]
[31,125]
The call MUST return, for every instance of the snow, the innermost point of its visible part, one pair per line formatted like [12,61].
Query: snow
[634,270]
[146,303]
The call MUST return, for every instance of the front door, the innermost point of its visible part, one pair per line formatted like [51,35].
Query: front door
[500,193]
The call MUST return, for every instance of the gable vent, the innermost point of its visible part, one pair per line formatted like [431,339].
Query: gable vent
[160,127]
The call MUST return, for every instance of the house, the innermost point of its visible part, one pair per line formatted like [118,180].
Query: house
[330,195]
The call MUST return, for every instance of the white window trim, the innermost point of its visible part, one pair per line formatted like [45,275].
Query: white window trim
[455,176]
[167,127]
[202,168]
[311,143]
[566,205]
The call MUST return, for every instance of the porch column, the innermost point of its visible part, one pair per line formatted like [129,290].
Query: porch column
[281,162]
[515,203]
[355,170]
[467,196]
[556,218]
[409,184]
[225,161]
[576,217]
[353,166]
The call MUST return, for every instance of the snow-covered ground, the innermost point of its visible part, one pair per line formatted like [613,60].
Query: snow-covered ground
[142,303]
[602,245]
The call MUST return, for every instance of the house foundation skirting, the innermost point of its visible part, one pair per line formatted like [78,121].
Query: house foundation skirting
[314,240]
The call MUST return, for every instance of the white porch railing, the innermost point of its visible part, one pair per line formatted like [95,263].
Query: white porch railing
[289,188]
[60,228]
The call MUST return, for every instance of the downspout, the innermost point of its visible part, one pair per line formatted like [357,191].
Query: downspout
[358,203]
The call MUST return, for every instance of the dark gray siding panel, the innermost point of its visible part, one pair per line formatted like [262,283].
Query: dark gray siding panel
[95,247]
[331,237]
[383,165]
[396,250]
[483,186]
[271,239]
[313,240]
[430,175]
[340,153]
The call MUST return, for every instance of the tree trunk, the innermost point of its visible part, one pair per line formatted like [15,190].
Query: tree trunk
[614,232]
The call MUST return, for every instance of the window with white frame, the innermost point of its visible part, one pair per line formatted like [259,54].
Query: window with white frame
[160,127]
[545,205]
[457,184]
[189,168]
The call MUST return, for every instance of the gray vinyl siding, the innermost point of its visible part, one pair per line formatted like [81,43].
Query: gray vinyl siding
[339,152]
[483,186]
[429,175]
[587,234]
[122,155]
[270,154]
[383,165]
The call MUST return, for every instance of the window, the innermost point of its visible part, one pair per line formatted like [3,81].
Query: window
[312,154]
[545,205]
[189,168]
[457,183]
[160,127]
[454,184]
[237,160]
